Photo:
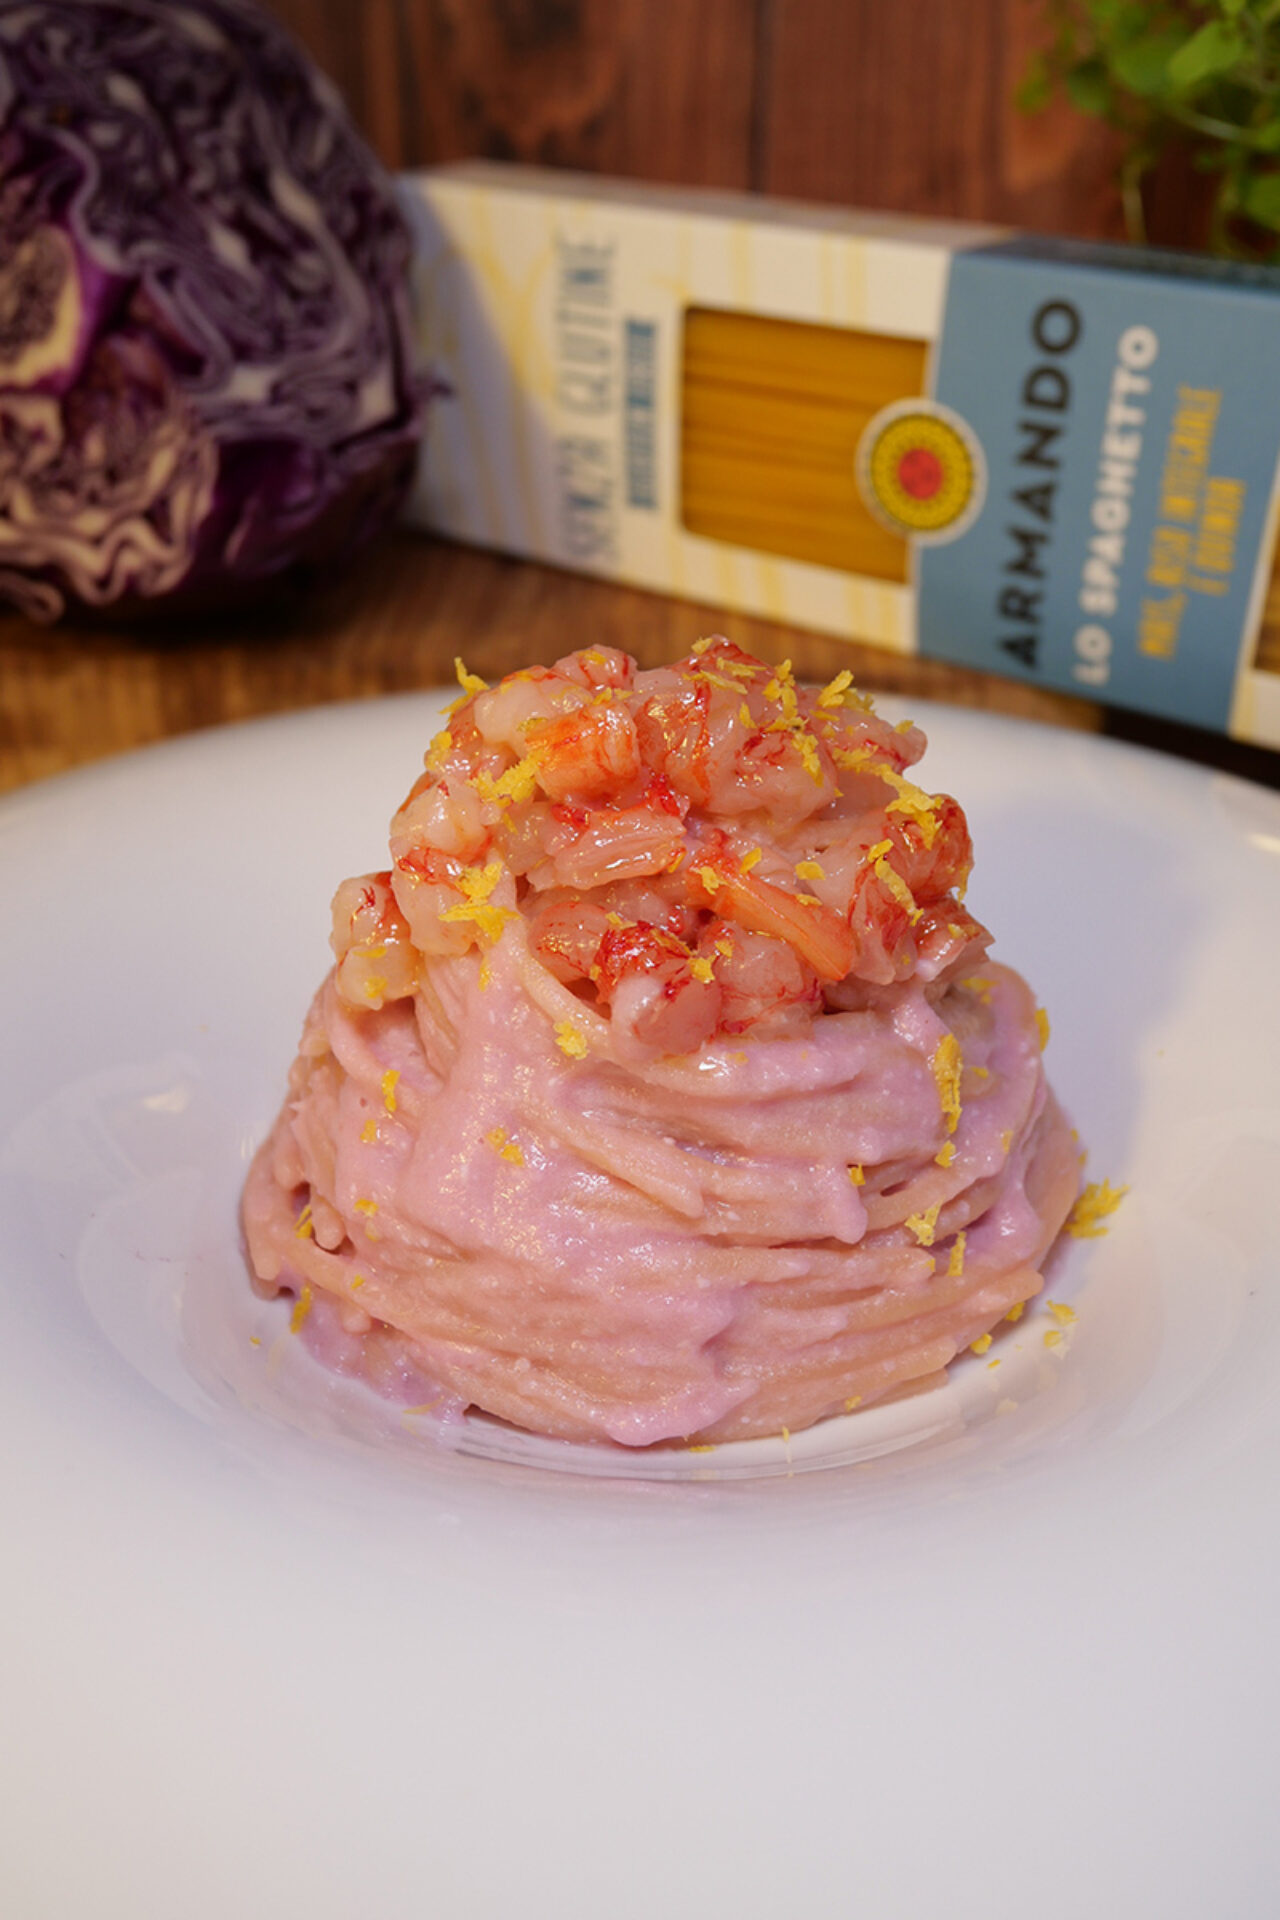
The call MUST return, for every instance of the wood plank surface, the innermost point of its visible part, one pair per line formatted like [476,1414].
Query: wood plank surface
[71,694]
[911,108]
[865,102]
[657,91]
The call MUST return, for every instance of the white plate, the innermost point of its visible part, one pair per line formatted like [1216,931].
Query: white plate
[272,1651]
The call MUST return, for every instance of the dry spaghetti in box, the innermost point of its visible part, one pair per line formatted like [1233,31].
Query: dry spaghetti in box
[1046,459]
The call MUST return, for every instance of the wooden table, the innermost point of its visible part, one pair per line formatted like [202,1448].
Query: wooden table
[74,693]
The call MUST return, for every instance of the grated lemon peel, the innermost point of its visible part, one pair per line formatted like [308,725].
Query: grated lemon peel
[570,1041]
[1096,1204]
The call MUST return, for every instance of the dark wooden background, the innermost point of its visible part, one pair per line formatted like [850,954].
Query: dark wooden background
[898,104]
[903,104]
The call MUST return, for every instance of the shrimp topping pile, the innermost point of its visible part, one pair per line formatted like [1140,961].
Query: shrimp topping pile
[707,850]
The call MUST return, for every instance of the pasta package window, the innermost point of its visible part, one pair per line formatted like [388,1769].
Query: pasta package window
[772,416]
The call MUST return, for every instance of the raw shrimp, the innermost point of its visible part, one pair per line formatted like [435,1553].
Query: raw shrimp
[598,667]
[589,775]
[375,954]
[592,750]
[663,998]
[766,988]
[503,715]
[593,846]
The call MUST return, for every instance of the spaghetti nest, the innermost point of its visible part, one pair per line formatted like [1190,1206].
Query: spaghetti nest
[661,1089]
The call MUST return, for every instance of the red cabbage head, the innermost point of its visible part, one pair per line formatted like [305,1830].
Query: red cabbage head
[205,360]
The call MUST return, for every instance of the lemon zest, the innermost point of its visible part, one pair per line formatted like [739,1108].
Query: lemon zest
[476,884]
[947,1065]
[912,801]
[781,684]
[716,680]
[833,693]
[1096,1204]
[924,1225]
[570,1041]
[894,884]
[808,749]
[515,787]
[854,759]
[504,1146]
[469,682]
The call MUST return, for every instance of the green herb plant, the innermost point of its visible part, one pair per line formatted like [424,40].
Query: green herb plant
[1202,72]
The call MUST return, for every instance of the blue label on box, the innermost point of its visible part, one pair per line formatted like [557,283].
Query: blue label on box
[1089,486]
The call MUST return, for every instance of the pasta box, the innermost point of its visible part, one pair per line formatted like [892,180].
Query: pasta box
[1042,458]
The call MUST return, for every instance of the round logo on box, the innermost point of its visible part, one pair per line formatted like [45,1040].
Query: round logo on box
[921,471]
